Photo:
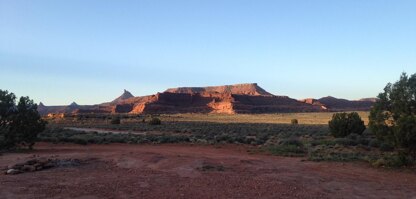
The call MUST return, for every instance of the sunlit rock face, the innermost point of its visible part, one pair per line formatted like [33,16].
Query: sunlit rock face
[238,89]
[228,99]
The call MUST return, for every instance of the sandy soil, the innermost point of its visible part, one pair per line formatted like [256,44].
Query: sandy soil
[188,171]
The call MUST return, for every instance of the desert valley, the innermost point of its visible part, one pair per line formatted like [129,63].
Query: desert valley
[207,99]
[233,141]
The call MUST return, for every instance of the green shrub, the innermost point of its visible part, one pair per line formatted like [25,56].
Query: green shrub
[262,138]
[155,121]
[288,147]
[393,160]
[172,139]
[294,121]
[115,120]
[20,122]
[344,124]
[324,142]
[224,138]
[334,156]
[291,141]
[393,116]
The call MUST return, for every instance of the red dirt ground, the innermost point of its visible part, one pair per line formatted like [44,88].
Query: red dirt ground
[174,171]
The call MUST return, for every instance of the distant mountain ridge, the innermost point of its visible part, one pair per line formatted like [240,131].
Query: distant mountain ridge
[338,104]
[228,99]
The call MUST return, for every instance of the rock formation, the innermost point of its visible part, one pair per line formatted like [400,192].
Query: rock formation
[236,89]
[337,104]
[228,99]
[126,95]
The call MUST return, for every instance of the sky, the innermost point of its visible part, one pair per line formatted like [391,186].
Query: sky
[87,51]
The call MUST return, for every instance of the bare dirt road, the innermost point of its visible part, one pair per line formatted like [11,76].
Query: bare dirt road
[188,171]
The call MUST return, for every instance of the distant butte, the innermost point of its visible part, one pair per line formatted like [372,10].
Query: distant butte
[126,95]
[228,99]
[237,89]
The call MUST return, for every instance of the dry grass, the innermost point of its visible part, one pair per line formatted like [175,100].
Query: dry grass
[281,118]
[272,133]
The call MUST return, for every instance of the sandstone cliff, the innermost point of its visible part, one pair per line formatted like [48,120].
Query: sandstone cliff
[228,99]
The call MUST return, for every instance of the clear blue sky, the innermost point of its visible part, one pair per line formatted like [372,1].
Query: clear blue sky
[59,51]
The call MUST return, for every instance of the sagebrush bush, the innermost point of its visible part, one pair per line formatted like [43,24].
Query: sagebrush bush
[344,124]
[155,121]
[322,155]
[345,141]
[291,141]
[324,142]
[287,150]
[294,121]
[115,120]
[288,147]
[393,160]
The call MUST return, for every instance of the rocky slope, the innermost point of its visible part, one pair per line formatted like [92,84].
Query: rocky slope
[229,99]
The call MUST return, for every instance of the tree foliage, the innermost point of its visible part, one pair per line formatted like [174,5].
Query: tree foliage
[343,124]
[19,123]
[393,116]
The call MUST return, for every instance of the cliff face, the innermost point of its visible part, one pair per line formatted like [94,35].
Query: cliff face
[314,102]
[229,99]
[271,104]
[237,89]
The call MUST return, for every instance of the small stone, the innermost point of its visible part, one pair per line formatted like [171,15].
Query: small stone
[13,171]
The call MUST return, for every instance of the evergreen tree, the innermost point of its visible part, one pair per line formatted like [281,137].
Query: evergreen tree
[393,116]
[19,123]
